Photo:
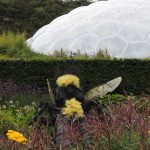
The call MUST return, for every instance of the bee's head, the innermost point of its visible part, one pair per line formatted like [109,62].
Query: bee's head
[68,85]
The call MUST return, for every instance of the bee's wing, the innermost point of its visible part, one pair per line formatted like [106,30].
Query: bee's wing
[103,89]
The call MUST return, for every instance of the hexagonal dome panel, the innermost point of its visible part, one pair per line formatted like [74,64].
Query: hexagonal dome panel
[120,26]
[134,32]
[137,50]
[113,45]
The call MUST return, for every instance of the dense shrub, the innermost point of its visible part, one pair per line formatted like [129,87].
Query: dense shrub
[135,73]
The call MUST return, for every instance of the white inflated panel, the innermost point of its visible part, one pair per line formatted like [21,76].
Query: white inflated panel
[122,27]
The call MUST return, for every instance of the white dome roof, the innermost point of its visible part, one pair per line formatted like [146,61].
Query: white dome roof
[120,26]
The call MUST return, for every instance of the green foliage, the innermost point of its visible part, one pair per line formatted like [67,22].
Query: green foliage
[10,41]
[13,116]
[140,103]
[59,54]
[13,45]
[123,127]
[134,72]
[103,54]
[78,55]
[29,15]
[113,98]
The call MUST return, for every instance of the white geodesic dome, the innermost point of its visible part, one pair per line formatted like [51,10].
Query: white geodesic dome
[122,27]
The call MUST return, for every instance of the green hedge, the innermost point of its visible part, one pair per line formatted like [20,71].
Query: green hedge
[135,73]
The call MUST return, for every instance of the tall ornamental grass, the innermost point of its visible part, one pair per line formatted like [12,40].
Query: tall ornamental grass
[14,45]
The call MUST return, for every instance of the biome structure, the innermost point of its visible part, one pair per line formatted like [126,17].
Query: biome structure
[122,27]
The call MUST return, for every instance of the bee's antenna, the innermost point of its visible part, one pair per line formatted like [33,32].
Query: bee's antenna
[52,97]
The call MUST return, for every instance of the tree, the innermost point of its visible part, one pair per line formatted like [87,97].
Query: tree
[30,15]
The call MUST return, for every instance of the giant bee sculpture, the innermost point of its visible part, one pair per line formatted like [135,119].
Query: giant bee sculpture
[68,90]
